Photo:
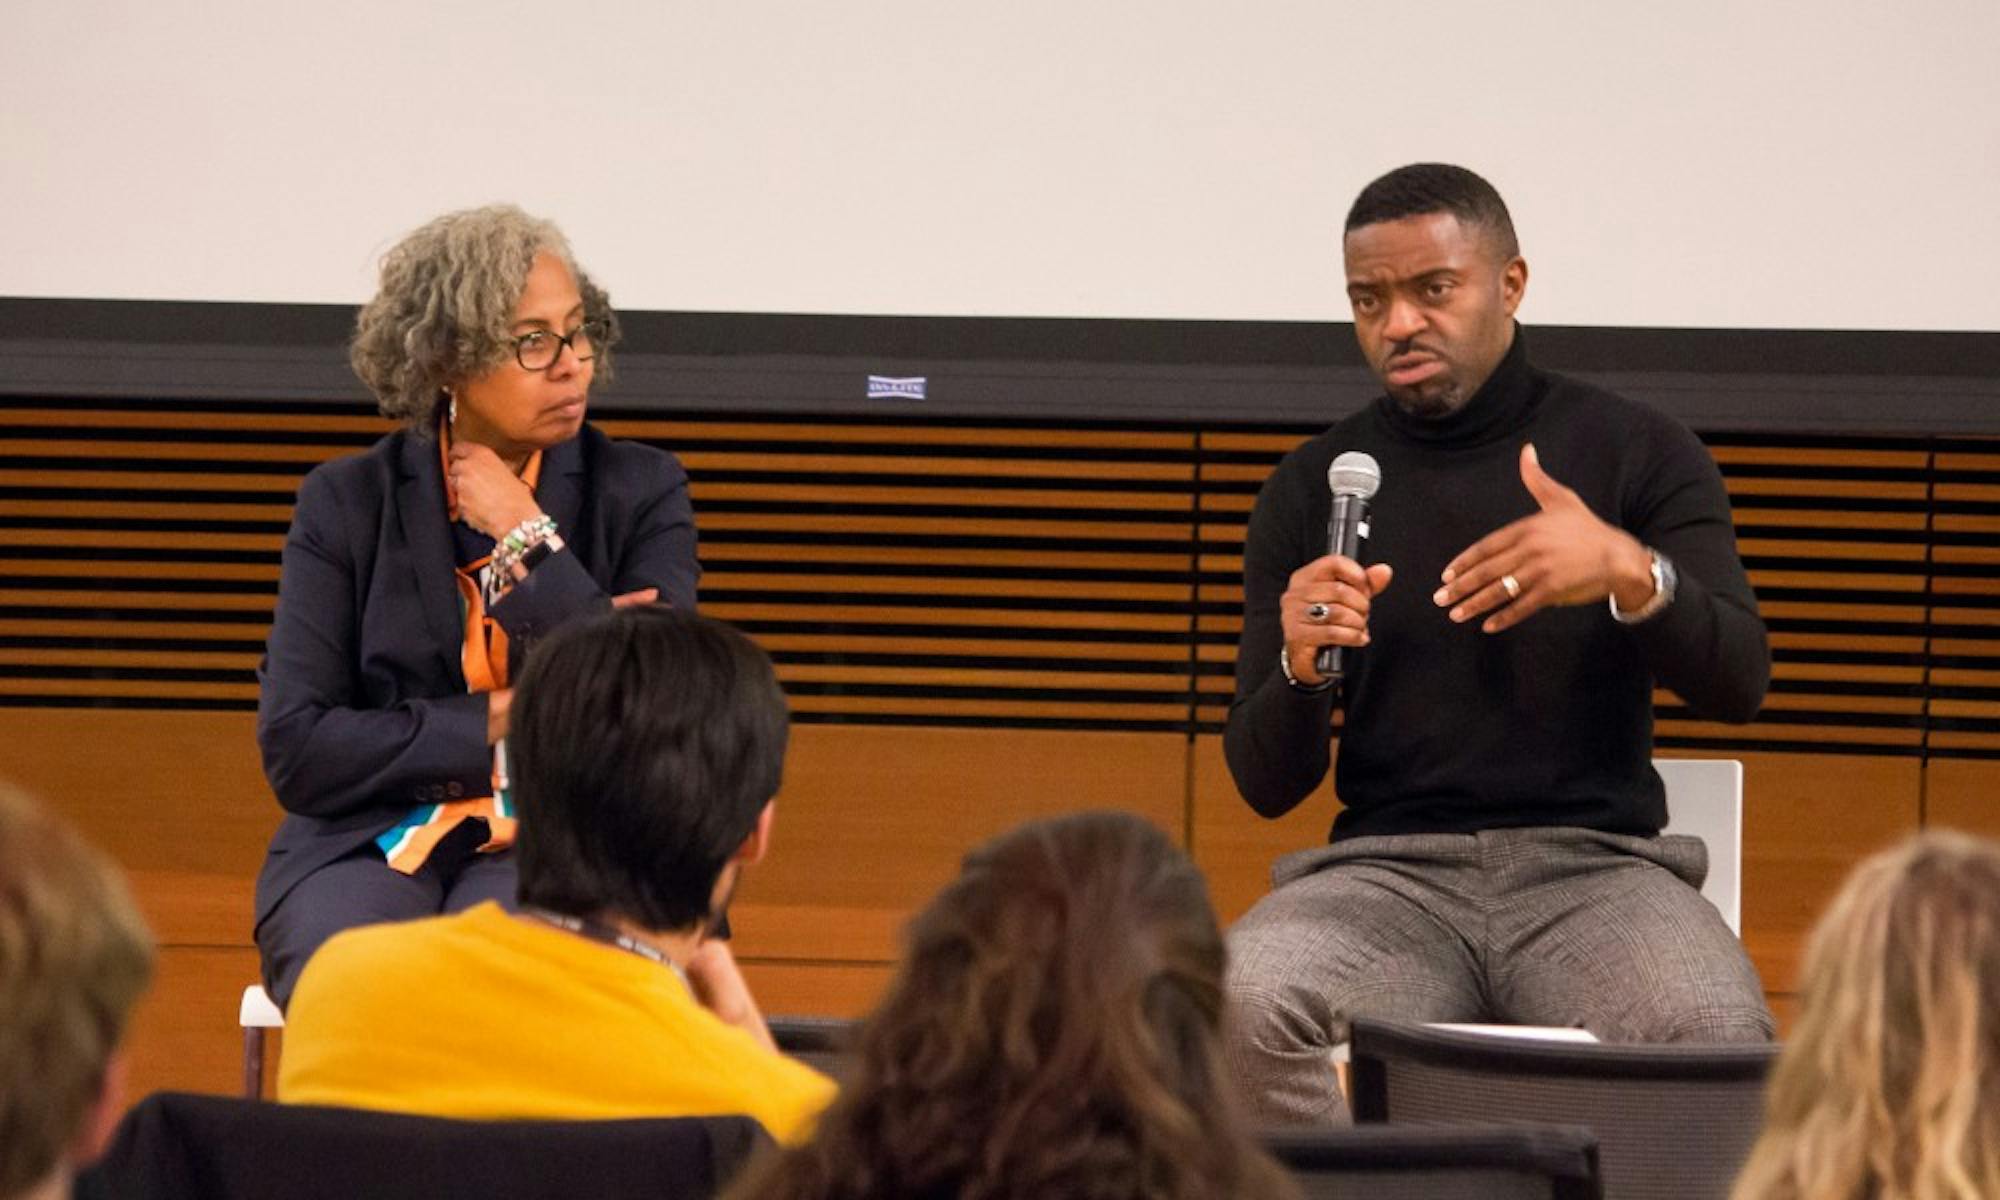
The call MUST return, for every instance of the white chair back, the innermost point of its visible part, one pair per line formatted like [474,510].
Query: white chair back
[1705,800]
[257,1012]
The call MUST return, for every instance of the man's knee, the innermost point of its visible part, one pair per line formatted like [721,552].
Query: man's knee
[1267,998]
[1745,1019]
[1281,1059]
[1261,1020]
[1713,997]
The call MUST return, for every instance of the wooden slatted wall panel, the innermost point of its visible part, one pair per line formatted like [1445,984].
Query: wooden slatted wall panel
[978,623]
[138,565]
[1835,539]
[1021,577]
[1963,771]
[982,624]
[139,549]
[1835,536]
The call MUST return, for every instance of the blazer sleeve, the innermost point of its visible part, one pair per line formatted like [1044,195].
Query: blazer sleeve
[654,548]
[326,754]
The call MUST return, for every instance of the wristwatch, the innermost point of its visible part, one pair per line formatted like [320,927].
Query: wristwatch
[1665,580]
[532,557]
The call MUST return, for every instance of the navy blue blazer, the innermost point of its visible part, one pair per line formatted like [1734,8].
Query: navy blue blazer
[362,712]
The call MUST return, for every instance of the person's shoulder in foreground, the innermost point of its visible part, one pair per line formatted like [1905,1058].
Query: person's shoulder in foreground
[646,746]
[483,1015]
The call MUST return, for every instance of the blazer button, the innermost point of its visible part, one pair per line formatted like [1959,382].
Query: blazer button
[421,792]
[454,789]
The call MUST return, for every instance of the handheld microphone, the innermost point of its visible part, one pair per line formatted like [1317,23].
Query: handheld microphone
[1354,478]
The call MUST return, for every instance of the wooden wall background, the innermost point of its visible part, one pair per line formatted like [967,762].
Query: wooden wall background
[978,623]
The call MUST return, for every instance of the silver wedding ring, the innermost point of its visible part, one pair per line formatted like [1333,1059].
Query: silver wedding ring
[1317,613]
[1512,585]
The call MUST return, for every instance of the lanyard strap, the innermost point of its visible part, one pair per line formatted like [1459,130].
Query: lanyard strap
[598,931]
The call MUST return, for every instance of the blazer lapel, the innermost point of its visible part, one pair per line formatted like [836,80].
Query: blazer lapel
[560,489]
[427,532]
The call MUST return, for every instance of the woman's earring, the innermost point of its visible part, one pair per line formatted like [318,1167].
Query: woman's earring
[450,408]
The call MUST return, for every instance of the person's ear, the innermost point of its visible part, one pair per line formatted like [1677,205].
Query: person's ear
[1513,283]
[100,1120]
[758,843]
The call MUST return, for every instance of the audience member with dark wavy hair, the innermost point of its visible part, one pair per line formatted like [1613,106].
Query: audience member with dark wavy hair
[1054,1032]
[1889,1087]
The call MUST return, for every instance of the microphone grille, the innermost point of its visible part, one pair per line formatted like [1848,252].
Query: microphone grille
[1354,474]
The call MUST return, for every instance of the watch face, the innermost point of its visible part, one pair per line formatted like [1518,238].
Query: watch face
[1664,579]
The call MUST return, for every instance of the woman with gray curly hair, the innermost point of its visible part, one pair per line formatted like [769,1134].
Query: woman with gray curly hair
[416,573]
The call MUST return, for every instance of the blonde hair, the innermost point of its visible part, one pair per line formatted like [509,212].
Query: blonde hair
[1889,1088]
[446,299]
[74,956]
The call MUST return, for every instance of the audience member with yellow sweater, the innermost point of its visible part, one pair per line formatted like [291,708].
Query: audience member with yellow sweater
[647,745]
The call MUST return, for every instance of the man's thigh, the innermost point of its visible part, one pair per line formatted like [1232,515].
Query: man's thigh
[360,889]
[1355,937]
[1611,934]
[1362,936]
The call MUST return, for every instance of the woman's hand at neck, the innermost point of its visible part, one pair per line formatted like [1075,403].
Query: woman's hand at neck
[489,493]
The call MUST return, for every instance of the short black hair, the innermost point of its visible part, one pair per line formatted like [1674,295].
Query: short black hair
[1423,188]
[644,744]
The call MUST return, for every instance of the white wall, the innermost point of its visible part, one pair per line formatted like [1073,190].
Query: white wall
[1695,163]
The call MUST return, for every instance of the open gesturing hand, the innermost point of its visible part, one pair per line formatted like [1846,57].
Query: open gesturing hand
[1561,555]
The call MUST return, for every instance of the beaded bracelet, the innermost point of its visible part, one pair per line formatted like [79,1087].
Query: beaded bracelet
[528,534]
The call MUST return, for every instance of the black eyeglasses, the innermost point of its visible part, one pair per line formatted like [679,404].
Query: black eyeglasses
[538,351]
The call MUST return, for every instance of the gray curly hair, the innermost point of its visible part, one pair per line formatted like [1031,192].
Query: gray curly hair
[446,300]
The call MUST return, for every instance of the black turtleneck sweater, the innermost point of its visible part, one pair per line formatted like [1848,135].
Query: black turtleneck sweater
[1451,730]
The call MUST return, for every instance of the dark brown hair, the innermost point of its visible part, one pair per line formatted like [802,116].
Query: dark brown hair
[645,743]
[1053,1032]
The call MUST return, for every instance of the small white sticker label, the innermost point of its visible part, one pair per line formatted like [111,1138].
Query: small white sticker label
[897,387]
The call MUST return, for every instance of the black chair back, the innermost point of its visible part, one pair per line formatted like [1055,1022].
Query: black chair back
[819,1042]
[174,1145]
[1672,1122]
[1471,1162]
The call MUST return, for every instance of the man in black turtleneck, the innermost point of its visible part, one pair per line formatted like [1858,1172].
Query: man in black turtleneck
[1542,553]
